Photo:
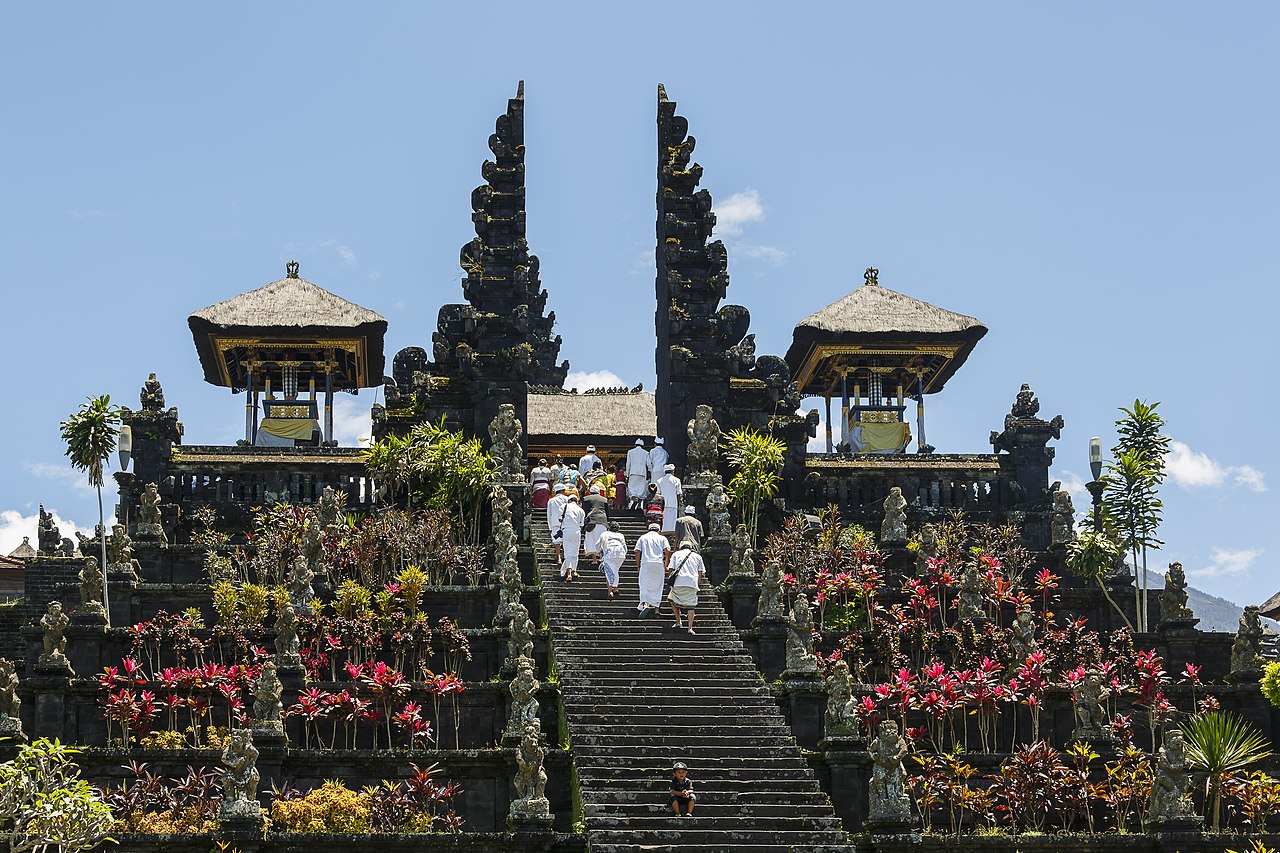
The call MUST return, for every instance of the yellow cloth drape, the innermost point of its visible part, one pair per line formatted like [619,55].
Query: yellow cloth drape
[877,438]
[295,428]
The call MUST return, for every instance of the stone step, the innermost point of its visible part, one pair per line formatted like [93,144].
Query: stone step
[685,847]
[709,794]
[686,833]
[655,805]
[678,726]
[646,768]
[719,822]
[702,739]
[606,789]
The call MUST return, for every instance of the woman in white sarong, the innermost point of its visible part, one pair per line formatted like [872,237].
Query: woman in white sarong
[615,552]
[571,537]
[652,551]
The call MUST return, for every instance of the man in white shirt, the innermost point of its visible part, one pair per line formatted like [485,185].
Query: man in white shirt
[652,552]
[571,537]
[687,570]
[555,508]
[658,459]
[589,460]
[672,491]
[637,472]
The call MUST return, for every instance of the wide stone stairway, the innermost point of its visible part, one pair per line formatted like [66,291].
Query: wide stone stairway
[640,695]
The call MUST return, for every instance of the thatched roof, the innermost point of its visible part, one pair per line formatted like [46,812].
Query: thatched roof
[290,302]
[1271,607]
[24,550]
[619,415]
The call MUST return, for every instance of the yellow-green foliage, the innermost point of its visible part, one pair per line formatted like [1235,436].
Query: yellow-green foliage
[333,807]
[166,823]
[226,600]
[254,599]
[1271,683]
[413,581]
[164,740]
[353,599]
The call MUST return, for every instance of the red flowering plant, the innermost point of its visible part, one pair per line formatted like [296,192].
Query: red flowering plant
[388,686]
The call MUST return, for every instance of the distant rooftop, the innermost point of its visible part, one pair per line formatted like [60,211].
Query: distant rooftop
[624,415]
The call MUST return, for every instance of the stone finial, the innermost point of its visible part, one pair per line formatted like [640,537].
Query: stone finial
[48,536]
[531,778]
[267,707]
[524,699]
[291,269]
[893,530]
[240,779]
[887,800]
[800,656]
[1246,651]
[871,276]
[10,701]
[152,395]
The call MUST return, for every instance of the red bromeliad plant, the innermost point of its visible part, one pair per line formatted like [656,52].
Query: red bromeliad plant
[388,686]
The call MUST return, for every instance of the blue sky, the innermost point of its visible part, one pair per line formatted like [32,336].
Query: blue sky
[1096,182]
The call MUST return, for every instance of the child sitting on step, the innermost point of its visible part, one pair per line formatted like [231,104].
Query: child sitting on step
[681,792]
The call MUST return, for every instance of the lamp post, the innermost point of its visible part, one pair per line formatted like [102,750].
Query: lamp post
[1095,487]
[124,445]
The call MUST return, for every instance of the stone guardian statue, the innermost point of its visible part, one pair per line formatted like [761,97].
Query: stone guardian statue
[1170,802]
[888,802]
[1246,651]
[240,779]
[718,513]
[10,702]
[893,530]
[524,699]
[505,433]
[267,707]
[531,778]
[54,622]
[800,656]
[703,453]
[840,719]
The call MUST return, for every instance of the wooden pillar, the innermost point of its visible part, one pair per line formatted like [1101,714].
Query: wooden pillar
[830,446]
[248,409]
[844,408]
[920,440]
[328,402]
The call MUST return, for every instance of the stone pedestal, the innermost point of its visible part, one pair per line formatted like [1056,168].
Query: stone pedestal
[771,641]
[848,767]
[899,560]
[149,533]
[1181,641]
[741,595]
[527,819]
[804,698]
[715,556]
[244,832]
[84,645]
[49,686]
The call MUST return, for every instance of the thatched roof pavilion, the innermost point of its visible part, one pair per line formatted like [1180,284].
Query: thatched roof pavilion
[884,343]
[564,423]
[289,331]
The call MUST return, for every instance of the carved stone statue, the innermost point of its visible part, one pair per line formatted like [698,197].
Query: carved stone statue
[1169,801]
[505,433]
[1023,640]
[1025,405]
[704,442]
[928,549]
[267,708]
[971,602]
[54,622]
[887,798]
[312,543]
[893,530]
[504,556]
[1062,527]
[531,778]
[152,395]
[1173,598]
[120,549]
[150,525]
[800,657]
[10,702]
[840,719]
[287,638]
[742,557]
[718,511]
[91,590]
[524,698]
[1089,698]
[1246,651]
[89,545]
[240,779]
[521,626]
[298,583]
[329,508]
[48,537]
[770,603]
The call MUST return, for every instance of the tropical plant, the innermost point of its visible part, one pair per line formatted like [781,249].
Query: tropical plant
[1092,555]
[1271,683]
[756,460]
[44,802]
[90,434]
[1220,745]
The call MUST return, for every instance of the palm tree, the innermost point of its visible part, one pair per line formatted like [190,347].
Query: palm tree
[90,434]
[756,458]
[1220,744]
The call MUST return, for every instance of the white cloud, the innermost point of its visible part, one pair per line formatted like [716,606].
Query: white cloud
[352,421]
[14,525]
[585,380]
[1228,563]
[1191,469]
[737,211]
[772,254]
[1074,485]
[64,473]
[348,256]
[91,214]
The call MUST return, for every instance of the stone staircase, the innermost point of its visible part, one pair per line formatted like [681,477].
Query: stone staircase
[640,695]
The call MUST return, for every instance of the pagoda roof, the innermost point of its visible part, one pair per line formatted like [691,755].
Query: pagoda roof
[874,316]
[289,313]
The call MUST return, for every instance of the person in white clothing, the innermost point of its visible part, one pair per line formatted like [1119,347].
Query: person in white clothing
[555,510]
[672,491]
[571,537]
[637,471]
[685,570]
[658,459]
[652,552]
[615,552]
[589,460]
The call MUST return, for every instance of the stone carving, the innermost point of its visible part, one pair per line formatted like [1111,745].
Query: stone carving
[718,511]
[504,556]
[1169,801]
[800,657]
[48,537]
[89,545]
[703,453]
[742,557]
[298,583]
[10,702]
[524,698]
[267,708]
[971,602]
[311,546]
[120,550]
[90,589]
[893,530]
[152,395]
[1062,527]
[1089,698]
[287,638]
[329,508]
[240,779]
[840,719]
[1025,406]
[150,525]
[1173,598]
[504,434]
[531,778]
[928,549]
[888,802]
[1246,651]
[521,627]
[54,622]
[770,603]
[1023,642]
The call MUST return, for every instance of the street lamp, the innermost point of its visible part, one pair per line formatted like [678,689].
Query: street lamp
[1095,487]
[125,446]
